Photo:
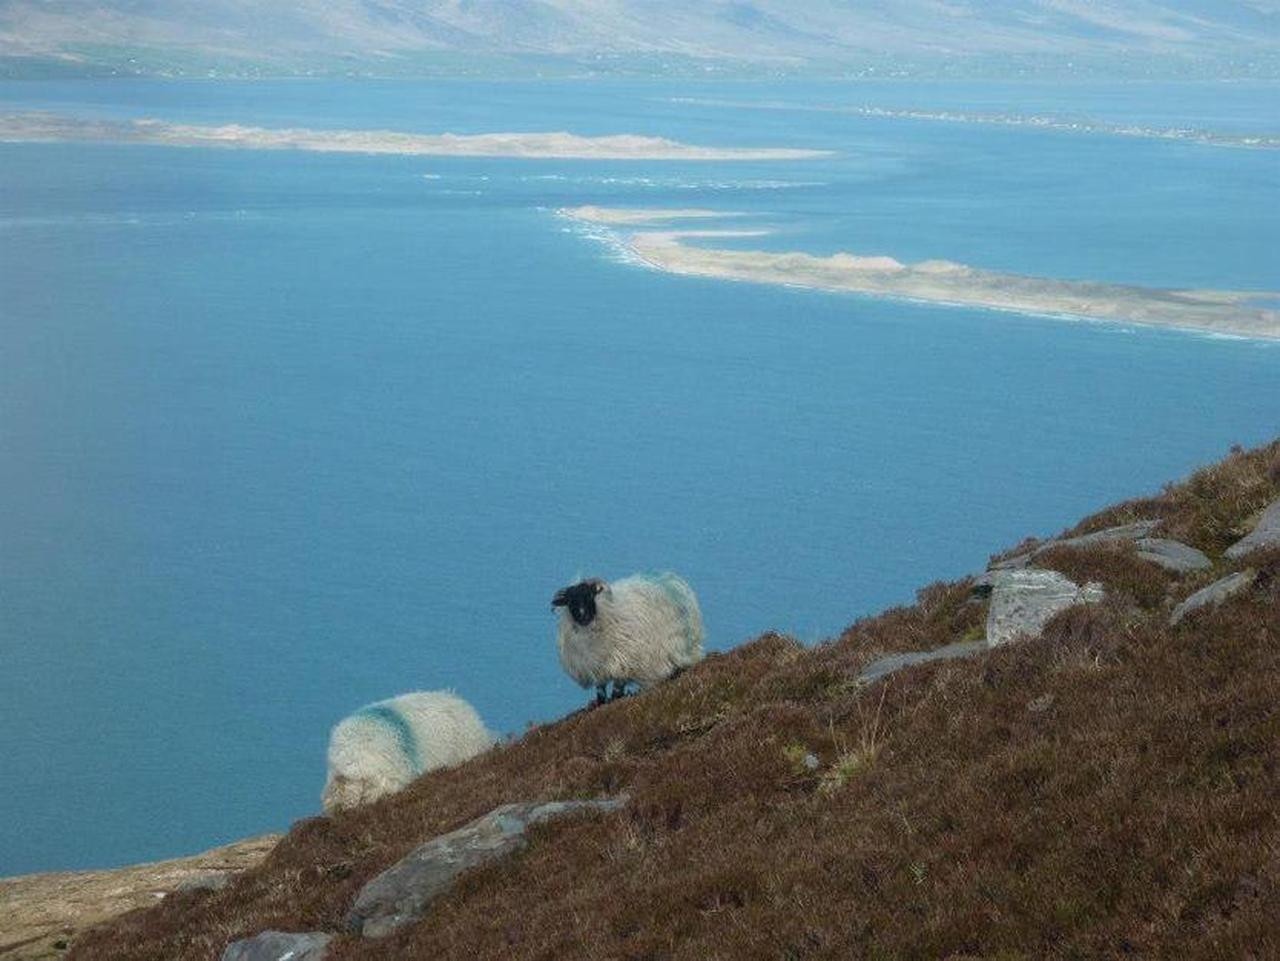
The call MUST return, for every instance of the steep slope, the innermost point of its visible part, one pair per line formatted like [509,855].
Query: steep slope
[1106,789]
[775,32]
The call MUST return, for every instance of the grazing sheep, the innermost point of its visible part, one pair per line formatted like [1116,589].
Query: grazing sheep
[382,747]
[643,628]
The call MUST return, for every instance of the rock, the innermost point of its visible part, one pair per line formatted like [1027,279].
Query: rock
[1214,594]
[212,881]
[38,909]
[1022,601]
[1134,531]
[403,892]
[1172,555]
[1265,534]
[279,946]
[882,668]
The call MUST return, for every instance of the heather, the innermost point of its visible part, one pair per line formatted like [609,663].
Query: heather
[1105,790]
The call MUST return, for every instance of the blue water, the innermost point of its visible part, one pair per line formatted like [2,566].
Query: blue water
[281,434]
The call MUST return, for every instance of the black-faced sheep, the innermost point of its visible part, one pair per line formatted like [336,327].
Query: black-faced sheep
[640,629]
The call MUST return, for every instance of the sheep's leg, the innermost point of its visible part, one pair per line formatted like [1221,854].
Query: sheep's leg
[619,690]
[602,693]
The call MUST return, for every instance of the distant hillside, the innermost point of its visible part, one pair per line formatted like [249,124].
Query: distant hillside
[1105,789]
[647,36]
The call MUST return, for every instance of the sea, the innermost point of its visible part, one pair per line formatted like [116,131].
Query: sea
[283,433]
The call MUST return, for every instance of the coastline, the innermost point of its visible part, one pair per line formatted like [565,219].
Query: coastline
[41,913]
[938,282]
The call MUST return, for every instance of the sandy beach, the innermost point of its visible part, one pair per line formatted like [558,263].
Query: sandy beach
[49,127]
[1235,313]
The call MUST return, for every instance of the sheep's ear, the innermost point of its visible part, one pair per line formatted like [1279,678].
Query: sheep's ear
[561,598]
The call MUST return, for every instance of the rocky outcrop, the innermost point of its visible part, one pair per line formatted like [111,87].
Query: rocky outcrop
[1214,594]
[1266,533]
[1023,601]
[1169,554]
[41,913]
[403,892]
[280,946]
[1172,555]
[1134,531]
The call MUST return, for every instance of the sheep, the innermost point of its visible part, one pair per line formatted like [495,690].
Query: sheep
[383,746]
[642,629]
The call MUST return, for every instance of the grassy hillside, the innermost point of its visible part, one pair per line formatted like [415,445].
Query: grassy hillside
[1108,790]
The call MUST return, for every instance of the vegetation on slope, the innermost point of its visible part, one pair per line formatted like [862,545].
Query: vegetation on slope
[1106,790]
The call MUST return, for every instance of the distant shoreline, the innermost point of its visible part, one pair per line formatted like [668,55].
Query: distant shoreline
[41,127]
[942,282]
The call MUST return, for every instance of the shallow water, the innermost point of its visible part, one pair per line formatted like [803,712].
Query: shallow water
[283,433]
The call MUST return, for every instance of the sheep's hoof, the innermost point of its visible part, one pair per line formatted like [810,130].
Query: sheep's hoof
[602,694]
[619,690]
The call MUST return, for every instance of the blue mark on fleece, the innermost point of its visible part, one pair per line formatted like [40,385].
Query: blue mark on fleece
[394,721]
[676,592]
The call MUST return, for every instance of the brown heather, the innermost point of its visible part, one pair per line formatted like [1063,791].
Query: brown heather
[1107,791]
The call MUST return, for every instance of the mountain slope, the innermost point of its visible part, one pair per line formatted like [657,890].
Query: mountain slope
[1105,790]
[290,33]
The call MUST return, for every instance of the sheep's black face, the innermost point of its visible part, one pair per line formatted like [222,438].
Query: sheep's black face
[581,601]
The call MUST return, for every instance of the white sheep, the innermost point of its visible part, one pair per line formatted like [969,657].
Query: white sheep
[641,629]
[382,747]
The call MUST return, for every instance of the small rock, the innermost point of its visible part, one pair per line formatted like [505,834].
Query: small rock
[1172,555]
[1265,534]
[279,946]
[402,893]
[811,762]
[1214,594]
[1040,704]
[1018,561]
[1124,532]
[1022,601]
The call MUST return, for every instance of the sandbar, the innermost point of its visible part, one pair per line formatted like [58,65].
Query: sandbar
[49,127]
[1235,313]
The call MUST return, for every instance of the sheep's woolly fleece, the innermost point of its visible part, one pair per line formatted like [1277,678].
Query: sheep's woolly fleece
[647,627]
[382,747]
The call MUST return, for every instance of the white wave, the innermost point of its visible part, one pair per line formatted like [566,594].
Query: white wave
[617,249]
[676,183]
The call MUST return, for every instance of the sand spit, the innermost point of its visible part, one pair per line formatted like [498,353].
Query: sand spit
[47,127]
[1233,313]
[1196,135]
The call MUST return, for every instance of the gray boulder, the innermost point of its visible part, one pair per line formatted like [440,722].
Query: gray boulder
[402,893]
[279,946]
[882,668]
[1134,531]
[1022,601]
[1265,534]
[1214,594]
[1172,555]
